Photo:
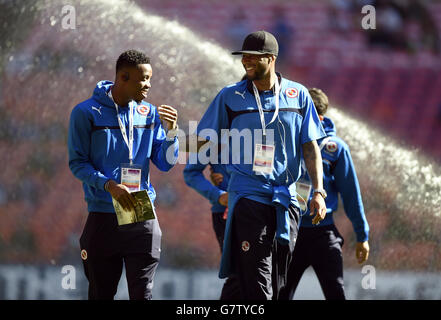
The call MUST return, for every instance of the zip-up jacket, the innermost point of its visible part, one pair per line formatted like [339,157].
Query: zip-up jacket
[235,108]
[97,148]
[194,177]
[339,176]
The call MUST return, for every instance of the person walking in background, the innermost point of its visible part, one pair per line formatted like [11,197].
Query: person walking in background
[320,246]
[112,138]
[236,28]
[284,31]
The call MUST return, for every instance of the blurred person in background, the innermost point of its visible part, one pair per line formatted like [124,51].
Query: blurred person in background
[284,33]
[110,134]
[263,209]
[389,32]
[237,28]
[339,15]
[320,246]
[428,36]
[218,196]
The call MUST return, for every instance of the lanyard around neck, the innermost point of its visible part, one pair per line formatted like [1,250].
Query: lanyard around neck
[129,140]
[259,105]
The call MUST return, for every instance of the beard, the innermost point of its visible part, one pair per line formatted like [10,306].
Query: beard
[259,74]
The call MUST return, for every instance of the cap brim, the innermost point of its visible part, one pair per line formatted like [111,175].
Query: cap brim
[249,52]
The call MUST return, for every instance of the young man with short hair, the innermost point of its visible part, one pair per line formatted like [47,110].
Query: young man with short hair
[113,134]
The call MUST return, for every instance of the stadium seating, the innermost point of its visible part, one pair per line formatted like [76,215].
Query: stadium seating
[396,91]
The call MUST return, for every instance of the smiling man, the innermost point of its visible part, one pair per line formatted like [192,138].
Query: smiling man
[112,138]
[263,214]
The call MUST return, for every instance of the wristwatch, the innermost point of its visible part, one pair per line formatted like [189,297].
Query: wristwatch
[322,192]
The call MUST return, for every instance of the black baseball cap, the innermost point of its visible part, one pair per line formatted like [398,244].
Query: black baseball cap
[259,42]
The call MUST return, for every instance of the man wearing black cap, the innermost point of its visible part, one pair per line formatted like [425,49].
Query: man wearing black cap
[278,124]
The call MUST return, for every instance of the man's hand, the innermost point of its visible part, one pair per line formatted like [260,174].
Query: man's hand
[169,116]
[317,206]
[121,194]
[223,199]
[362,251]
[216,178]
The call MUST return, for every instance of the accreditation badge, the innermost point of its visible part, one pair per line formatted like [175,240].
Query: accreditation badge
[263,158]
[131,176]
[303,189]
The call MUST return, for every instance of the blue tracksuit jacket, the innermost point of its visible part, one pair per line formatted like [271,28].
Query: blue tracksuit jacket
[339,177]
[194,177]
[235,108]
[97,148]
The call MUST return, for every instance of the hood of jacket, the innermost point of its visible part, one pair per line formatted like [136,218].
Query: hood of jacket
[100,93]
[329,127]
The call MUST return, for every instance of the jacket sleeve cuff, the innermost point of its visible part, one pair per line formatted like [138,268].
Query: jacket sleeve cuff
[102,183]
[362,237]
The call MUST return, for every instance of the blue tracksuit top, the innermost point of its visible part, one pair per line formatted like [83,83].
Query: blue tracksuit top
[97,148]
[339,177]
[235,109]
[194,177]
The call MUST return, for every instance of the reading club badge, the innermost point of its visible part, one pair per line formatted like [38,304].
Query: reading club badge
[292,92]
[331,146]
[245,246]
[143,109]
